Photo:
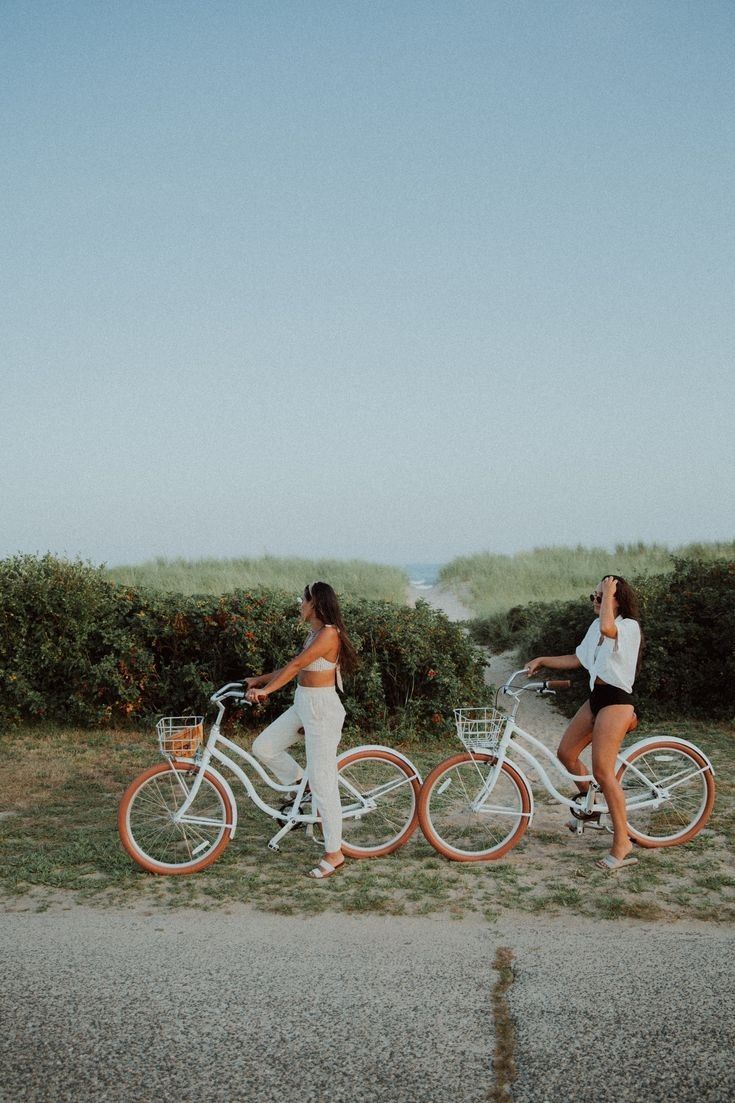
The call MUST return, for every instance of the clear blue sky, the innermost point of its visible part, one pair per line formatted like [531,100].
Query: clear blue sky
[401,280]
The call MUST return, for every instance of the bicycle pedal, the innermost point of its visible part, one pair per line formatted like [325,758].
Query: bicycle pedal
[583,816]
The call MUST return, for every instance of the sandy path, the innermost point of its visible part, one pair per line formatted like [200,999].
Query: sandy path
[537,714]
[440,599]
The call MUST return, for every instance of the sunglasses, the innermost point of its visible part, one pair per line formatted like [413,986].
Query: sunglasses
[595,597]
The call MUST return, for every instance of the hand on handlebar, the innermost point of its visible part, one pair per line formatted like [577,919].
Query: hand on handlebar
[256,695]
[533,666]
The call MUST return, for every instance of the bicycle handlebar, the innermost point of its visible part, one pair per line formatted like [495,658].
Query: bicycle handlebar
[233,690]
[547,686]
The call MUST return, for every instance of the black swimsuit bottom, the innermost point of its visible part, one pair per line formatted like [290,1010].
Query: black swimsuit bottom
[602,696]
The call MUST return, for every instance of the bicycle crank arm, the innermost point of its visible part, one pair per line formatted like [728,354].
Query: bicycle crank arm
[273,843]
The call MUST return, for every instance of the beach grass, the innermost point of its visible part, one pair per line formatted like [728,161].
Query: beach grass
[489,584]
[61,790]
[353,578]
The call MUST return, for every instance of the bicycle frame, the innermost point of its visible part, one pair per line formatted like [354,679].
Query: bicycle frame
[212,750]
[509,745]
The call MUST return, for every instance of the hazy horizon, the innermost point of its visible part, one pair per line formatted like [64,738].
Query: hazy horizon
[426,567]
[393,282]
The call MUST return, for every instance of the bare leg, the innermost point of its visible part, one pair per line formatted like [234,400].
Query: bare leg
[577,736]
[611,726]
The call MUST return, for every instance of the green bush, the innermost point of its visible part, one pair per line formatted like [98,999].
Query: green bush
[76,648]
[688,620]
[503,631]
[61,633]
[416,666]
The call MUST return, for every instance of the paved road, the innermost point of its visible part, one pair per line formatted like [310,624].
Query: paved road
[102,1005]
[112,1005]
[613,1013]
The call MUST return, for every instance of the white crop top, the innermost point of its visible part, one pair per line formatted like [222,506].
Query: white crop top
[612,660]
[322,664]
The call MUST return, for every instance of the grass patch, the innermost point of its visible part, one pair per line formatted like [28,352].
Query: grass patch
[350,577]
[490,584]
[61,790]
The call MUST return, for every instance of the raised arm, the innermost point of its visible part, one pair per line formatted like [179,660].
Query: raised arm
[608,627]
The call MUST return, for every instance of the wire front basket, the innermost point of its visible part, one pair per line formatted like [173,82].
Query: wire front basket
[180,736]
[480,729]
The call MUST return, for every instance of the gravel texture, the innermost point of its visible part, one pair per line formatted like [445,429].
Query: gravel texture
[616,1012]
[108,1004]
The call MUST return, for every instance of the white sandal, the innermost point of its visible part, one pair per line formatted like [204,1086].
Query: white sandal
[325,869]
[610,863]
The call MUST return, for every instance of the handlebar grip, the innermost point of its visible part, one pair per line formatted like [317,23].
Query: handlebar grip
[558,683]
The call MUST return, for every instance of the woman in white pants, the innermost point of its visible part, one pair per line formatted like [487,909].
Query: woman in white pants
[316,715]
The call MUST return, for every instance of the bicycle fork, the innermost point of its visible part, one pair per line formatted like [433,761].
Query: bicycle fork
[479,804]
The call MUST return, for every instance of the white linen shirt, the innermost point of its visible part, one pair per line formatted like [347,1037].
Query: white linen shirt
[612,660]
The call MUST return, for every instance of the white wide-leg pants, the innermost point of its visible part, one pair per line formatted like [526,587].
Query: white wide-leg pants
[321,714]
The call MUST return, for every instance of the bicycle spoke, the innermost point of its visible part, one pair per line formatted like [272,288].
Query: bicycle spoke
[685,791]
[382,792]
[453,821]
[158,836]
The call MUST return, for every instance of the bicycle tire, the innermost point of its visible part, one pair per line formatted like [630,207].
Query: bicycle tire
[393,785]
[687,811]
[148,833]
[453,828]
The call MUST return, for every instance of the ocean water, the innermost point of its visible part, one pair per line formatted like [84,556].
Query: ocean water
[422,575]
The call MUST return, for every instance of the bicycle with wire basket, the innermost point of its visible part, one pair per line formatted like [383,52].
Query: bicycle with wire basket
[475,806]
[179,815]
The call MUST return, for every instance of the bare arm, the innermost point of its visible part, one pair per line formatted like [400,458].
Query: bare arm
[552,662]
[608,626]
[323,644]
[260,680]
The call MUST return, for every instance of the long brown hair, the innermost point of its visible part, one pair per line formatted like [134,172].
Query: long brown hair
[627,599]
[326,607]
[629,607]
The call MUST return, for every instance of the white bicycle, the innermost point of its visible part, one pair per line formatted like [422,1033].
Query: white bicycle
[179,816]
[477,805]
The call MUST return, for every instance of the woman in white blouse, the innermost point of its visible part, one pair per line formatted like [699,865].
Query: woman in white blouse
[610,653]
